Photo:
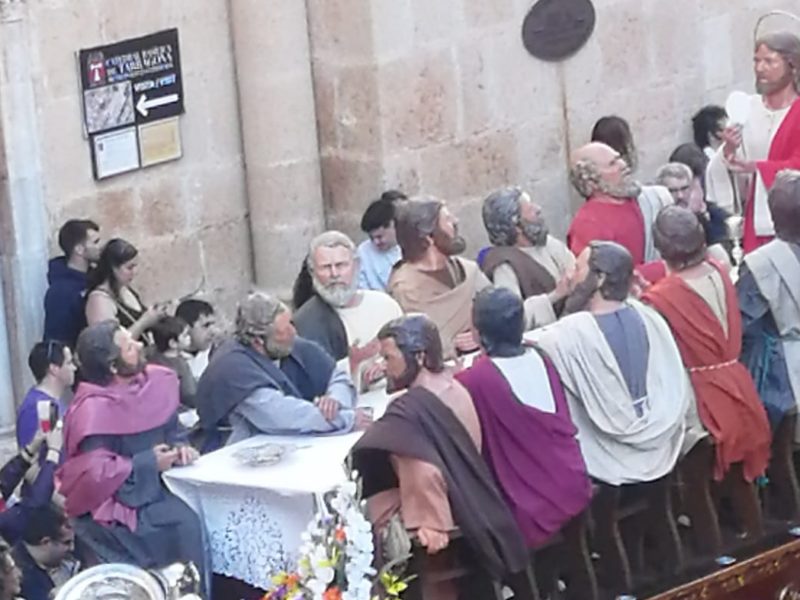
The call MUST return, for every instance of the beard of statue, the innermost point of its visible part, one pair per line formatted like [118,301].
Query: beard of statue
[337,293]
[582,294]
[627,188]
[405,379]
[449,245]
[276,350]
[535,232]
[767,89]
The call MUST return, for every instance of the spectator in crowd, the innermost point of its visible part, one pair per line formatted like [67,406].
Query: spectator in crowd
[203,331]
[53,369]
[39,482]
[48,540]
[120,434]
[112,297]
[378,254]
[615,132]
[171,337]
[64,316]
[303,287]
[707,127]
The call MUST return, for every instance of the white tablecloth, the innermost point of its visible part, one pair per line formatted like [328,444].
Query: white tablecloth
[254,515]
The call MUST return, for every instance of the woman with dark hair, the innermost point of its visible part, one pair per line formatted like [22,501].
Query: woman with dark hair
[111,295]
[615,132]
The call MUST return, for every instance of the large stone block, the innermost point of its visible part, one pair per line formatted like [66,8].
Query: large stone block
[340,30]
[358,111]
[168,267]
[392,29]
[472,167]
[419,101]
[279,252]
[118,211]
[349,182]
[475,86]
[226,252]
[481,14]
[277,119]
[284,49]
[163,207]
[286,193]
[437,22]
[215,195]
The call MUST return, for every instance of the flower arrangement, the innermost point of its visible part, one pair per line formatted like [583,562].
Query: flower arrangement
[336,556]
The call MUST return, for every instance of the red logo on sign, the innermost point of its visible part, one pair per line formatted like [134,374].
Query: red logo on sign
[96,69]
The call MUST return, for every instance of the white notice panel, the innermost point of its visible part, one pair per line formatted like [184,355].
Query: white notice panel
[116,152]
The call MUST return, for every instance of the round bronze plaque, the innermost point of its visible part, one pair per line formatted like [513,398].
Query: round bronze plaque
[557,29]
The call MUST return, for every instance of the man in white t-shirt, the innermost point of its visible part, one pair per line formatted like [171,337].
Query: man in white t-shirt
[339,317]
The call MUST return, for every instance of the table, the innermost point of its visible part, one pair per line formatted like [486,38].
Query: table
[254,516]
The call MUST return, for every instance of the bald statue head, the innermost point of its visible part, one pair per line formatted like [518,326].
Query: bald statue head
[603,269]
[511,218]
[408,345]
[424,222]
[784,205]
[679,237]
[777,62]
[599,169]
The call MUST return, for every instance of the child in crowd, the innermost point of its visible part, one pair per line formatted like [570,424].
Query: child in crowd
[200,317]
[171,337]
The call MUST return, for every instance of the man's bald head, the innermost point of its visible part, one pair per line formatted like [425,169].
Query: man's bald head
[784,205]
[596,168]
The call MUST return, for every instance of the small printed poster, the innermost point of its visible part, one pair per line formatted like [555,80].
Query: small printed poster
[160,141]
[115,152]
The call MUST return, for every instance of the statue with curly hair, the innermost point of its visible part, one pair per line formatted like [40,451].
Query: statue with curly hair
[617,208]
[524,257]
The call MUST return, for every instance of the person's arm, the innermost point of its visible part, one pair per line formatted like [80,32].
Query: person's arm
[143,485]
[270,411]
[100,307]
[505,277]
[341,388]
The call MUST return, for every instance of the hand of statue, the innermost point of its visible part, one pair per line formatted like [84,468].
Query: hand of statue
[187,455]
[742,166]
[639,285]
[166,456]
[328,407]
[363,420]
[372,374]
[465,342]
[358,354]
[563,287]
[731,140]
[434,541]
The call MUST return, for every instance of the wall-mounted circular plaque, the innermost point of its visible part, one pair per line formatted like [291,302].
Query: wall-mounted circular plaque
[556,29]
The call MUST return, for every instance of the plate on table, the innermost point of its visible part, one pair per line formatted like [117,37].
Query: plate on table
[263,454]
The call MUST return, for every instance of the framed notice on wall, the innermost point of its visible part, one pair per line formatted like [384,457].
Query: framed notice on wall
[132,98]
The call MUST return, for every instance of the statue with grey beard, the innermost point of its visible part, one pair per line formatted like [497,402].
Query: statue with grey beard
[339,317]
[524,257]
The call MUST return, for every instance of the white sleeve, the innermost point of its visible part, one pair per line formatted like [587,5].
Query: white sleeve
[505,277]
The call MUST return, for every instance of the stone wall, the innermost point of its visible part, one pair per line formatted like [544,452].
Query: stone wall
[189,217]
[442,98]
